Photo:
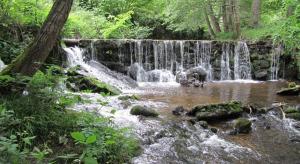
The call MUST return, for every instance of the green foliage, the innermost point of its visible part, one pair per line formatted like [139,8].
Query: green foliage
[34,124]
[102,141]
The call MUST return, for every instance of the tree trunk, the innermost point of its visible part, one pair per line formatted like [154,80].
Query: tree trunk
[255,13]
[229,9]
[210,29]
[213,18]
[236,16]
[37,52]
[224,16]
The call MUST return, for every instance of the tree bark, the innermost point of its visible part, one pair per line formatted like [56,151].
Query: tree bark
[255,12]
[37,52]
[224,16]
[213,18]
[236,16]
[210,29]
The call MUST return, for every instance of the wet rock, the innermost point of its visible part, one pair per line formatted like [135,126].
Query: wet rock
[203,124]
[143,111]
[83,83]
[214,130]
[290,91]
[126,104]
[242,125]
[292,113]
[129,97]
[261,75]
[233,132]
[133,71]
[179,111]
[198,73]
[295,116]
[295,139]
[216,112]
[197,84]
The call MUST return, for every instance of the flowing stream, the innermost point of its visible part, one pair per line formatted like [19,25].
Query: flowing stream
[171,139]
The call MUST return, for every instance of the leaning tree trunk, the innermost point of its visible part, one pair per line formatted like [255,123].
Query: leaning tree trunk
[255,12]
[210,29]
[213,18]
[37,52]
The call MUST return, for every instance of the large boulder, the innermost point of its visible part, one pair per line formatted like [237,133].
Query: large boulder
[293,91]
[84,83]
[217,111]
[261,75]
[199,73]
[143,111]
[242,125]
[293,113]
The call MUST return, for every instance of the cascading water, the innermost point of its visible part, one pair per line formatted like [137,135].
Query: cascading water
[170,57]
[2,65]
[93,68]
[275,56]
[242,63]
[203,54]
[225,62]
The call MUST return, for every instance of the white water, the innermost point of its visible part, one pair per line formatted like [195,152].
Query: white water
[242,62]
[170,57]
[275,56]
[95,69]
[2,65]
[225,62]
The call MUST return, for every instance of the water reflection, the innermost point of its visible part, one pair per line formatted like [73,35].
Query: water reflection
[263,93]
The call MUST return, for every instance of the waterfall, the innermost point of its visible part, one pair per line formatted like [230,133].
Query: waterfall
[242,63]
[275,57]
[181,53]
[2,65]
[225,62]
[203,54]
[163,61]
[95,69]
[93,54]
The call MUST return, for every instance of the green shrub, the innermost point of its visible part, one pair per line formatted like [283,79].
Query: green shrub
[35,126]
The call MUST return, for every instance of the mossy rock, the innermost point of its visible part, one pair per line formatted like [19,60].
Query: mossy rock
[295,116]
[129,97]
[290,91]
[73,71]
[217,111]
[83,83]
[292,85]
[242,125]
[291,110]
[143,111]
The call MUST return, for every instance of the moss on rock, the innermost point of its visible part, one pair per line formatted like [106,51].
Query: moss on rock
[143,111]
[83,83]
[295,116]
[217,111]
[242,125]
[290,91]
[129,97]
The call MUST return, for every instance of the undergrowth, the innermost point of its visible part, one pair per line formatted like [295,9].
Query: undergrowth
[37,127]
